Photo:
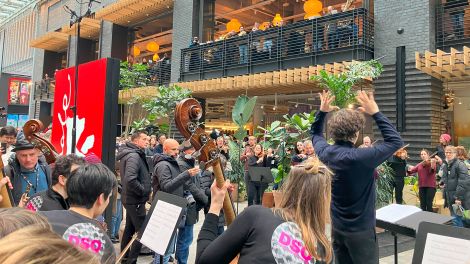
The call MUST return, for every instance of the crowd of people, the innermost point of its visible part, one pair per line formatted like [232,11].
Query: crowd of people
[263,44]
[327,207]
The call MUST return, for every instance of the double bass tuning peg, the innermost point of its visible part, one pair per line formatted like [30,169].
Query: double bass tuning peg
[195,113]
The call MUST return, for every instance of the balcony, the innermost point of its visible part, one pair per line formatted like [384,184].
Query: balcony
[334,38]
[453,25]
[44,90]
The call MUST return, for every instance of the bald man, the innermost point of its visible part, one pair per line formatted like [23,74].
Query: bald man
[367,142]
[168,177]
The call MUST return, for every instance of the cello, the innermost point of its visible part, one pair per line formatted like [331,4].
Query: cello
[187,115]
[30,129]
[5,192]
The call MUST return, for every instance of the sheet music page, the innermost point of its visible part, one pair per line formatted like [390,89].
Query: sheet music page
[160,227]
[394,212]
[444,249]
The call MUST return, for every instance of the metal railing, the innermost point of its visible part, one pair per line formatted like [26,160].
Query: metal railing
[159,73]
[453,25]
[303,43]
[44,89]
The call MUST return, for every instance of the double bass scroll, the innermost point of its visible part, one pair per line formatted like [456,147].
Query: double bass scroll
[187,115]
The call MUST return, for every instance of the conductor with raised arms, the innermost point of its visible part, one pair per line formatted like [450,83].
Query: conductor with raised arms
[353,187]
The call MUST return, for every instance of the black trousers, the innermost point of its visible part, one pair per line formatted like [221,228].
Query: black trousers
[426,196]
[398,184]
[255,192]
[135,216]
[355,247]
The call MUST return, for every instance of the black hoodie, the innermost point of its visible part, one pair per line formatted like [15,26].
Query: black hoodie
[135,177]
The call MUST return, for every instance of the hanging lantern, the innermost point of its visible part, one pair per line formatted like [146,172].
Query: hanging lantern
[313,8]
[277,20]
[155,57]
[153,46]
[263,26]
[136,51]
[233,25]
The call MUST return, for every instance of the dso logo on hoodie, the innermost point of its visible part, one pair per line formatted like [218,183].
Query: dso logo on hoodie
[86,236]
[287,245]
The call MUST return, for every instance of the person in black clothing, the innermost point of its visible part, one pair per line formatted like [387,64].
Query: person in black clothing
[256,189]
[136,188]
[195,196]
[89,189]
[55,198]
[271,158]
[398,164]
[294,233]
[168,177]
[444,141]
[299,155]
[207,178]
[353,192]
[159,147]
[223,147]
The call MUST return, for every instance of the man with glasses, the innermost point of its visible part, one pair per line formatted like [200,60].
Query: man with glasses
[168,177]
[136,188]
[454,174]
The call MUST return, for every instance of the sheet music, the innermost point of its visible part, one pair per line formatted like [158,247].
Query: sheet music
[444,249]
[160,227]
[394,212]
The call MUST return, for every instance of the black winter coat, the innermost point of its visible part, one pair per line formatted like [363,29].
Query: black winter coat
[193,185]
[454,176]
[167,175]
[135,177]
[207,178]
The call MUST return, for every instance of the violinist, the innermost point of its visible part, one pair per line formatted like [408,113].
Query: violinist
[426,170]
[398,165]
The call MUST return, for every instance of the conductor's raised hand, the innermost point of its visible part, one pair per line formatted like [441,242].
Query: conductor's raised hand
[367,101]
[327,99]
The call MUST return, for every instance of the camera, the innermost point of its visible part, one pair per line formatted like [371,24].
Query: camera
[189,197]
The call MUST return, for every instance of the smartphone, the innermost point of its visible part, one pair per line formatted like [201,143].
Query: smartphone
[3,147]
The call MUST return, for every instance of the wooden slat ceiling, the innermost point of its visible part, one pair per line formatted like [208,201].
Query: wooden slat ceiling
[53,41]
[285,81]
[89,28]
[453,66]
[125,12]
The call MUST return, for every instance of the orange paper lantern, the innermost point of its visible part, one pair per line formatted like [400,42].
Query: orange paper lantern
[153,46]
[155,57]
[263,25]
[233,25]
[313,8]
[136,51]
[277,20]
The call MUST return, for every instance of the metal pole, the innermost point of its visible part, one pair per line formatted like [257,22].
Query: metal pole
[74,109]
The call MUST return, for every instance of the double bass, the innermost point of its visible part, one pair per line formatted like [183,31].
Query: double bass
[5,192]
[187,115]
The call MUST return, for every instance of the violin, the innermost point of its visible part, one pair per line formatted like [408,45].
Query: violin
[187,115]
[30,130]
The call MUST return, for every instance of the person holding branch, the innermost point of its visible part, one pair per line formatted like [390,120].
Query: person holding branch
[296,232]
[353,191]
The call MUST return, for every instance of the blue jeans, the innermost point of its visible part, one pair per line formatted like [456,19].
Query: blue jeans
[220,230]
[171,250]
[456,220]
[457,22]
[243,49]
[116,219]
[185,238]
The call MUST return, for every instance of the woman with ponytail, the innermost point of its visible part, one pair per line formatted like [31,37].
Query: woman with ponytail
[296,232]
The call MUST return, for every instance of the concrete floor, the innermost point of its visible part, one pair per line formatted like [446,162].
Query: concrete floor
[404,257]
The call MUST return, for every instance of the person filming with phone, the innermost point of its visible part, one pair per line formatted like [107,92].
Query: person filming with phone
[7,140]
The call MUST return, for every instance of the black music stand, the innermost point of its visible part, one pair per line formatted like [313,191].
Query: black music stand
[444,232]
[261,174]
[408,225]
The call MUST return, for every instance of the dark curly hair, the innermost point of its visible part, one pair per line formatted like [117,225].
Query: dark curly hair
[63,166]
[345,124]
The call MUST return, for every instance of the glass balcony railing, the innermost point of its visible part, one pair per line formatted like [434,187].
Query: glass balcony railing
[339,37]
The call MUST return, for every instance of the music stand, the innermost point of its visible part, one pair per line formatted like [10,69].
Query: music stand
[440,234]
[261,174]
[408,224]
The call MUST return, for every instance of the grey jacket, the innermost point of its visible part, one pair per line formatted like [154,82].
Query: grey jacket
[454,175]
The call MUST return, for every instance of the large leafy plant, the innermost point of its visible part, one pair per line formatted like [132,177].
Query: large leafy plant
[164,104]
[384,186]
[341,85]
[132,76]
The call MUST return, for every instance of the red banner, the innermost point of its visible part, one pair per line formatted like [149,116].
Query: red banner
[90,108]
